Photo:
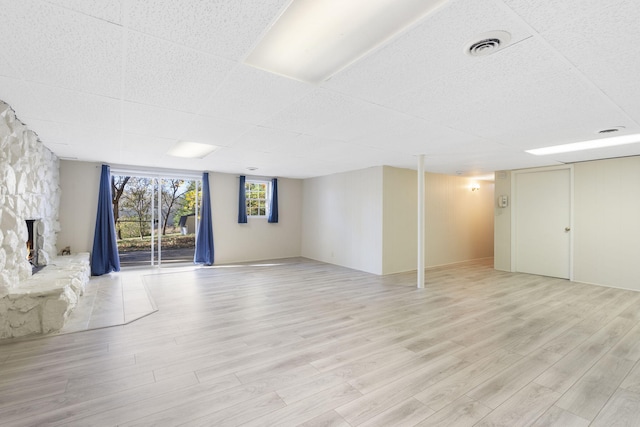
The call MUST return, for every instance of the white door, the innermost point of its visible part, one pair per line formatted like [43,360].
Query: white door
[542,217]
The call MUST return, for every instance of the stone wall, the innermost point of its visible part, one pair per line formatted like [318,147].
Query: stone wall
[29,189]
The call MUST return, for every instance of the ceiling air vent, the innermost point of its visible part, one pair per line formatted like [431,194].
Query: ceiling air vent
[487,43]
[484,47]
[611,130]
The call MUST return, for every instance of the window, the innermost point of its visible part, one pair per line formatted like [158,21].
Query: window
[257,194]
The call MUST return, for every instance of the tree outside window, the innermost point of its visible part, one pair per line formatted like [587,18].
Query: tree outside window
[257,196]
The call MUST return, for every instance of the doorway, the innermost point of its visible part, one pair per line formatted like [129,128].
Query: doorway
[542,214]
[155,218]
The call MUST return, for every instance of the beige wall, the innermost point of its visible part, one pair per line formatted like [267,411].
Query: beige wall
[459,221]
[607,222]
[79,182]
[342,219]
[233,242]
[258,239]
[502,223]
[400,220]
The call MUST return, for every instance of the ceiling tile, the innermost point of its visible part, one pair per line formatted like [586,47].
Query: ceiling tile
[108,10]
[305,145]
[6,70]
[359,156]
[69,49]
[154,121]
[237,160]
[43,128]
[167,75]
[317,109]
[253,96]
[265,140]
[543,15]
[604,47]
[145,144]
[82,142]
[417,136]
[227,28]
[213,130]
[369,120]
[70,106]
[21,98]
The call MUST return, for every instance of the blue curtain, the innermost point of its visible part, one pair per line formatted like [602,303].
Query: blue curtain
[273,204]
[204,242]
[242,202]
[104,257]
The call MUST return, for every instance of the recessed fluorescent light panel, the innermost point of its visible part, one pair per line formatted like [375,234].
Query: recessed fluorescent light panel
[587,145]
[314,39]
[191,150]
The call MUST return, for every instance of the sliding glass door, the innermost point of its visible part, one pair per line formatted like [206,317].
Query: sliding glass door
[155,218]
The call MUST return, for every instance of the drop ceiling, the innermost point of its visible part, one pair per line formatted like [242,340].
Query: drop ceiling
[121,81]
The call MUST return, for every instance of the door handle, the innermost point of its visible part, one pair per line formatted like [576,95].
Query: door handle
[567,229]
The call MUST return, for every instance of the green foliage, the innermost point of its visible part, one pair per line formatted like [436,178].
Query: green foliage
[132,227]
[188,202]
[256,195]
[132,207]
[170,241]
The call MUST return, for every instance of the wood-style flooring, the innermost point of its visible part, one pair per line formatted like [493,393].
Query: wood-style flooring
[298,342]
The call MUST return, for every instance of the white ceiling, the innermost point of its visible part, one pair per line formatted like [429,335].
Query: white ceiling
[121,81]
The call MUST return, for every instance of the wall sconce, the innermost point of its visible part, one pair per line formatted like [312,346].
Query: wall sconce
[475,186]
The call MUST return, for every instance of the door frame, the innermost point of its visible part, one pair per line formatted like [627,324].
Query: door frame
[156,175]
[514,200]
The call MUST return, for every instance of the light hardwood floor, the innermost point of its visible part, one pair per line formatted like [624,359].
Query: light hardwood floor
[298,342]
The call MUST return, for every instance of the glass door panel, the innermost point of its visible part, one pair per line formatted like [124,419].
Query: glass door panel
[155,219]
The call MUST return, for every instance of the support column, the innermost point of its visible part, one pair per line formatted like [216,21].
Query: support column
[421,221]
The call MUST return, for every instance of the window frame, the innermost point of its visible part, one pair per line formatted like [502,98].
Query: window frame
[248,193]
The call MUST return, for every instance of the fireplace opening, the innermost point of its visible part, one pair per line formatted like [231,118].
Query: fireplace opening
[32,244]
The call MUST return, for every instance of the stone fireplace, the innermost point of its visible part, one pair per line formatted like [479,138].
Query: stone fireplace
[29,205]
[29,201]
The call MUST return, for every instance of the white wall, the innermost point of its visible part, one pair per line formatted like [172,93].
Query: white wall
[79,182]
[258,239]
[367,220]
[606,226]
[342,219]
[607,222]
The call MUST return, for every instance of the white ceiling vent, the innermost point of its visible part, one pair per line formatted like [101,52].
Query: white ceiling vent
[611,130]
[487,43]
